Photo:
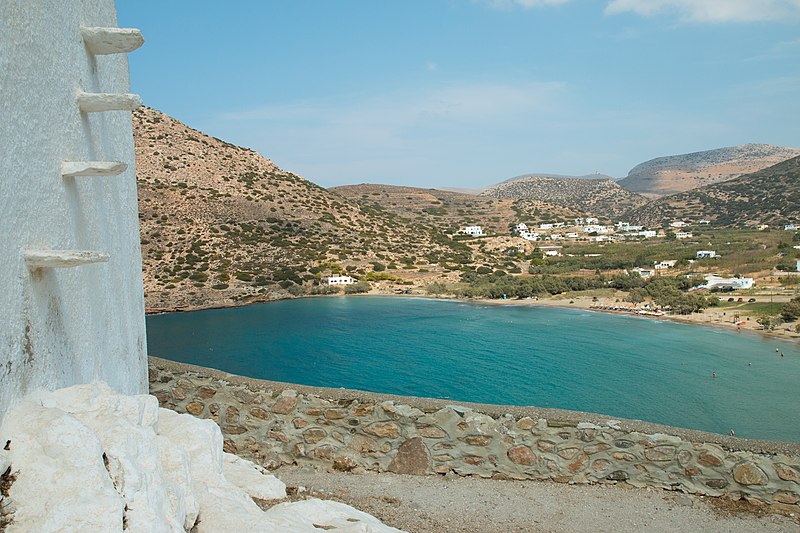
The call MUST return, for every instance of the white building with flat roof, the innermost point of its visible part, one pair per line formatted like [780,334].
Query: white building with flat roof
[475,231]
[644,272]
[720,283]
[706,254]
[338,280]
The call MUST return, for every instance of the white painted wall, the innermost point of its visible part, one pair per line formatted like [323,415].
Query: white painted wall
[65,326]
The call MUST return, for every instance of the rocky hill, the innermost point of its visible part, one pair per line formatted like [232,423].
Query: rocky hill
[599,196]
[450,210]
[436,208]
[678,173]
[769,196]
[221,224]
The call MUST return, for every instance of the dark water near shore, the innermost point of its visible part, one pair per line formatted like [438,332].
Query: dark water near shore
[625,367]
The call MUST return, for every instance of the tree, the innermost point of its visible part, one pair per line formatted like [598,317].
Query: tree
[637,295]
[791,310]
[357,288]
[768,322]
[436,288]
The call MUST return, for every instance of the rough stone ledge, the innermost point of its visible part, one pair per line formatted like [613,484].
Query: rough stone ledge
[555,417]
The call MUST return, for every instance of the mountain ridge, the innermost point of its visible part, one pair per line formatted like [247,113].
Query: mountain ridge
[769,196]
[681,172]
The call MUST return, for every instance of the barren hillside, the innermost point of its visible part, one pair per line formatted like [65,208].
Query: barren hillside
[678,173]
[602,197]
[769,196]
[221,224]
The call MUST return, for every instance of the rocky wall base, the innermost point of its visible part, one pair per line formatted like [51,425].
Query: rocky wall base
[87,459]
[273,424]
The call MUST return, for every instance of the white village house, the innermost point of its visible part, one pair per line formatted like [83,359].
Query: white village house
[644,272]
[338,280]
[720,283]
[706,254]
[683,235]
[664,265]
[475,231]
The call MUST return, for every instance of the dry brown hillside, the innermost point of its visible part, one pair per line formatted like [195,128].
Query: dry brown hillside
[770,196]
[679,173]
[222,224]
[452,210]
[599,197]
[444,209]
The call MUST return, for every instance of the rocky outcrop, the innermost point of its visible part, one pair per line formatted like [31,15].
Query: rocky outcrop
[275,424]
[86,459]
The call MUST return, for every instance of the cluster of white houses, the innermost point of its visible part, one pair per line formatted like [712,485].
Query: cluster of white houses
[591,230]
[667,264]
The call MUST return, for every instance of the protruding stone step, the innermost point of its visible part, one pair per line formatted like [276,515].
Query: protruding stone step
[92,168]
[62,258]
[94,102]
[102,41]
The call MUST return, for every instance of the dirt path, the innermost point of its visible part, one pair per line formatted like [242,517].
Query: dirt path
[438,504]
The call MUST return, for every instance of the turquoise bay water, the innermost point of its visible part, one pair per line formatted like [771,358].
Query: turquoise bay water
[621,366]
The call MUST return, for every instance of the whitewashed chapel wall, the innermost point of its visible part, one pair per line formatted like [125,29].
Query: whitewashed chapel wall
[62,326]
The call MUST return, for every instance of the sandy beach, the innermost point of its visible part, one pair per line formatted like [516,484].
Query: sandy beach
[712,317]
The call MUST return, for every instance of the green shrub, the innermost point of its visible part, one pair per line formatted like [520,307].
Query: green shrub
[791,310]
[436,288]
[358,288]
[325,289]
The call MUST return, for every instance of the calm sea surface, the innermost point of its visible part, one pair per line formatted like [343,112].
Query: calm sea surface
[621,366]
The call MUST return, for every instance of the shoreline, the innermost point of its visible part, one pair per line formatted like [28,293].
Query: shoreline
[582,302]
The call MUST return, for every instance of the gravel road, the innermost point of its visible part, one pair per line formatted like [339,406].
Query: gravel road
[444,504]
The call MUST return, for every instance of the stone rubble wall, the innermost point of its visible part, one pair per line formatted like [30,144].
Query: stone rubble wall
[275,423]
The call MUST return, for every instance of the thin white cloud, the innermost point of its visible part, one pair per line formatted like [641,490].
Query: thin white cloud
[431,66]
[341,139]
[458,102]
[527,4]
[711,10]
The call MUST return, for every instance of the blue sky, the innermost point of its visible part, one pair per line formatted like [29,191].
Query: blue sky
[465,93]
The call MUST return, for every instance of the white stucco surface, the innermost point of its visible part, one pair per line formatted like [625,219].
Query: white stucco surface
[68,325]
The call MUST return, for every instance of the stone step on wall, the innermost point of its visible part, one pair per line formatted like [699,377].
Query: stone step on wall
[274,424]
